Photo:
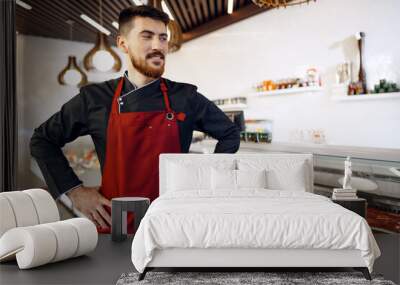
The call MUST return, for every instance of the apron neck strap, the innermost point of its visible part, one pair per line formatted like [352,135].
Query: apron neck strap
[117,93]
[164,91]
[114,107]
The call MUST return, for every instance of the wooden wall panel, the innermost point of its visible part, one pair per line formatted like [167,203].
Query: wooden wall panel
[196,17]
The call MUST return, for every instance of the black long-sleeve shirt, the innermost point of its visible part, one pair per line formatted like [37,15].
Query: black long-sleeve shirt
[87,114]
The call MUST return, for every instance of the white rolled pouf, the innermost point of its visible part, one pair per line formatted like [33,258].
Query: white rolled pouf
[7,218]
[32,246]
[87,234]
[45,205]
[23,208]
[26,208]
[40,244]
[67,240]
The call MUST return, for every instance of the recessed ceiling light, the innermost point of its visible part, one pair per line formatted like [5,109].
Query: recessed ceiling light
[95,24]
[23,5]
[115,24]
[166,10]
[230,6]
[137,2]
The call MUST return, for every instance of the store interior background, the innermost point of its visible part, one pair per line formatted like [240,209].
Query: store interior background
[276,44]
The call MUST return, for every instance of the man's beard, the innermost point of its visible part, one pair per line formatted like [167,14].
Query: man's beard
[144,68]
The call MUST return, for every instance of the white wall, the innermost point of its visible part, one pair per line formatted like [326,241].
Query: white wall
[284,43]
[39,61]
[276,44]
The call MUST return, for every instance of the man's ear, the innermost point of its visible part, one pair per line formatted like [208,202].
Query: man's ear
[122,43]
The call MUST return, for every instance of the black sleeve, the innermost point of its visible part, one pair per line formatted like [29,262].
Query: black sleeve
[212,121]
[48,139]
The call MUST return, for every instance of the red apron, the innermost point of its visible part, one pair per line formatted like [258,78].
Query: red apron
[134,142]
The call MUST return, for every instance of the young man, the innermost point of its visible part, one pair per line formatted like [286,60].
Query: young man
[131,121]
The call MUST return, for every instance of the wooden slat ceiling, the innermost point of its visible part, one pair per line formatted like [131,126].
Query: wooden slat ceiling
[48,18]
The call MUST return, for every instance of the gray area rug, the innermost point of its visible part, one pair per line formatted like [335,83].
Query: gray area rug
[231,278]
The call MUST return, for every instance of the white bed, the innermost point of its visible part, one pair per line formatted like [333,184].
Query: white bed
[206,220]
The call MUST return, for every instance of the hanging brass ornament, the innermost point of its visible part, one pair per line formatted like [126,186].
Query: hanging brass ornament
[72,75]
[102,57]
[174,36]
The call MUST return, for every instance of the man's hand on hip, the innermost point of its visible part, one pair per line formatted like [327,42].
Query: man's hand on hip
[91,203]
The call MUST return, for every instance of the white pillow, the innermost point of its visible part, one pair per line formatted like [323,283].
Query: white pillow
[292,179]
[226,179]
[251,178]
[282,174]
[183,178]
[223,179]
[193,174]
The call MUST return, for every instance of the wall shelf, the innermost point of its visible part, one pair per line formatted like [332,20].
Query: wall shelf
[287,91]
[232,107]
[372,96]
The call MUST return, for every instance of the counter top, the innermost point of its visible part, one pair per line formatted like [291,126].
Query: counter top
[319,149]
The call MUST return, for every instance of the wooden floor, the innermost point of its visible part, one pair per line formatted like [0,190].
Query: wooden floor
[383,220]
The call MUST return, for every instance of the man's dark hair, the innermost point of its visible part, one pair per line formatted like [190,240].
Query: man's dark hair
[127,15]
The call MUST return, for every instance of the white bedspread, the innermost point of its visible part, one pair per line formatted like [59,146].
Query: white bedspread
[250,219]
